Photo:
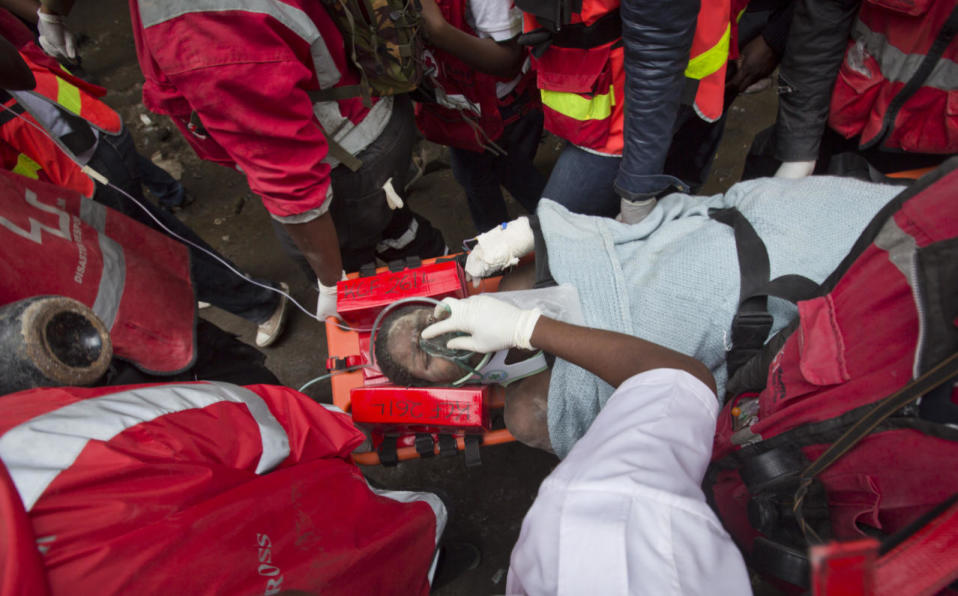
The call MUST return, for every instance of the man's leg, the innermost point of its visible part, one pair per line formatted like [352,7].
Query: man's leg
[366,226]
[115,158]
[582,182]
[517,171]
[476,173]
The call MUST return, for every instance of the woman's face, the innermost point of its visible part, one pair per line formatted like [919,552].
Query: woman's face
[403,345]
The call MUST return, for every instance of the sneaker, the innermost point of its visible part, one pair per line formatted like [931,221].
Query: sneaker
[270,330]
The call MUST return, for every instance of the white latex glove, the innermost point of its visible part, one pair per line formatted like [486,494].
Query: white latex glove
[491,324]
[632,212]
[795,169]
[55,38]
[326,304]
[499,248]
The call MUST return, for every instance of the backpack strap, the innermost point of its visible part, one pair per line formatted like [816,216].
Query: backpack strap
[752,322]
[942,373]
[336,150]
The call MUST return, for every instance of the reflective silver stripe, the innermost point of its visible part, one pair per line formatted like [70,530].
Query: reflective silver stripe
[353,137]
[36,451]
[406,496]
[902,252]
[93,214]
[154,12]
[899,67]
[402,242]
[112,280]
[900,247]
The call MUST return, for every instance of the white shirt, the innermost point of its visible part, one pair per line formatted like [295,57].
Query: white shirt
[624,513]
[501,20]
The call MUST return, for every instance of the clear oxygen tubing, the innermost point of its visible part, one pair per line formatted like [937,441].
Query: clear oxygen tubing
[103,180]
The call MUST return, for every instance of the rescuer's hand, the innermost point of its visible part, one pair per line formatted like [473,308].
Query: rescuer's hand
[795,169]
[632,212]
[55,38]
[326,305]
[500,248]
[491,324]
[757,61]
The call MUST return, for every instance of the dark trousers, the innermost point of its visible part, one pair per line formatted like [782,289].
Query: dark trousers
[483,174]
[167,190]
[115,158]
[366,226]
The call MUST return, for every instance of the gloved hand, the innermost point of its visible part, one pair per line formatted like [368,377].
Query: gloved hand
[499,248]
[326,304]
[795,169]
[55,38]
[632,212]
[491,324]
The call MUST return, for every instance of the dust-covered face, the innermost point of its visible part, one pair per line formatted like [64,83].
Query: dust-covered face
[403,345]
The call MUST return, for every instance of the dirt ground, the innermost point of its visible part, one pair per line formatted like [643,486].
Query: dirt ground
[488,502]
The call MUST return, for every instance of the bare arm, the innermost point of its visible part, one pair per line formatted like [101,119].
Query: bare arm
[501,59]
[611,356]
[318,241]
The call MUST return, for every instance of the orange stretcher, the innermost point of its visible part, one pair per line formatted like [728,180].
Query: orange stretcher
[349,347]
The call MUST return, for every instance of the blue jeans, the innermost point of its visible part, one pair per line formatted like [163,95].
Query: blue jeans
[166,189]
[582,182]
[483,174]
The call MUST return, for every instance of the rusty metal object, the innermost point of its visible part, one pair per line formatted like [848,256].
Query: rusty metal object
[51,341]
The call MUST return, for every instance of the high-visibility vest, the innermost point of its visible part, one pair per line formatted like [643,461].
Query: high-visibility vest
[199,488]
[29,152]
[898,84]
[583,89]
[136,280]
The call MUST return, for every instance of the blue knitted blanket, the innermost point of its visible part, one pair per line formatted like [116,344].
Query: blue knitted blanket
[673,279]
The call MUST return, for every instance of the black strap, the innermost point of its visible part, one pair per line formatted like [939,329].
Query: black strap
[447,445]
[367,270]
[425,446]
[943,372]
[752,323]
[388,455]
[607,29]
[472,450]
[12,110]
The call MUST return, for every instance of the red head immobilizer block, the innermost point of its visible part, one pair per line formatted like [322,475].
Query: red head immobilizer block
[360,300]
[421,409]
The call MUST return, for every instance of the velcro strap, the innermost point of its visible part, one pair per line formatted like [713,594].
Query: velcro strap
[472,450]
[425,446]
[447,445]
[388,456]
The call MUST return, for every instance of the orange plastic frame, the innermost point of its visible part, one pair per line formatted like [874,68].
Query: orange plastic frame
[342,343]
